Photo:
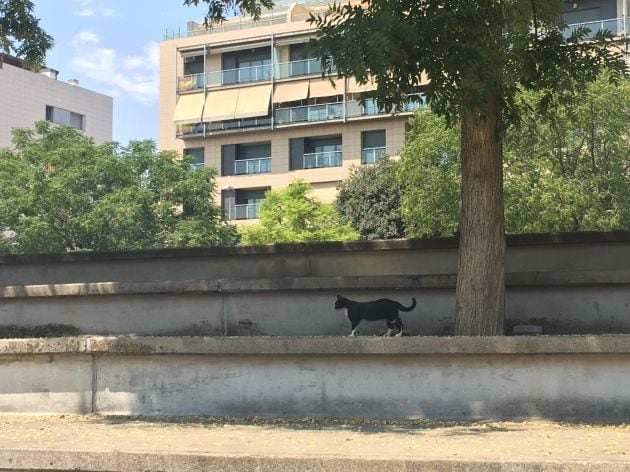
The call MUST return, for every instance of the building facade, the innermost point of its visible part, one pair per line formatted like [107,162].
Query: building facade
[28,97]
[245,99]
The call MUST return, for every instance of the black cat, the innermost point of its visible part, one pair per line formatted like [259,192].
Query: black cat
[381,309]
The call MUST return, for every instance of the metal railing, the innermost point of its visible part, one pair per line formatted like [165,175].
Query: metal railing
[229,25]
[260,165]
[190,82]
[327,111]
[322,159]
[196,166]
[614,25]
[248,211]
[371,155]
[242,75]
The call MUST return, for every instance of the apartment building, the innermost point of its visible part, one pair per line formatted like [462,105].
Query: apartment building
[28,97]
[245,99]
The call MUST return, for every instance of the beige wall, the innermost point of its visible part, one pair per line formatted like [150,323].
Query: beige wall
[25,95]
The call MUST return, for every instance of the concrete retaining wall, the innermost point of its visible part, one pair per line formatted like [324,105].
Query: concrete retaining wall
[571,283]
[578,377]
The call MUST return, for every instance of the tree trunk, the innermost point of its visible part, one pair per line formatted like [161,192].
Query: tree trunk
[480,294]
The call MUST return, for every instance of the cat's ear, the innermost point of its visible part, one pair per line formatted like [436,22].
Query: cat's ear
[338,297]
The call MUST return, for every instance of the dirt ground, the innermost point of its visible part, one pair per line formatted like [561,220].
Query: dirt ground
[311,437]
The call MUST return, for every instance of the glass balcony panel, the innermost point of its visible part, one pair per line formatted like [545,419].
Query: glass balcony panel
[247,211]
[371,155]
[322,159]
[252,166]
[190,82]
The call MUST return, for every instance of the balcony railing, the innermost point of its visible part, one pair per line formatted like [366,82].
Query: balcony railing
[252,166]
[298,68]
[190,82]
[371,155]
[238,124]
[189,131]
[322,159]
[242,75]
[328,111]
[370,108]
[196,166]
[614,25]
[248,211]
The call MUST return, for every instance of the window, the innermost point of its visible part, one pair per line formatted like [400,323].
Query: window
[65,117]
[198,156]
[373,146]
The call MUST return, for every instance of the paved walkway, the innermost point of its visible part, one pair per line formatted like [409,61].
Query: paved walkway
[170,443]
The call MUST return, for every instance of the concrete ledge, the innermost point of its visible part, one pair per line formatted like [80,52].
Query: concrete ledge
[114,461]
[382,245]
[384,282]
[320,346]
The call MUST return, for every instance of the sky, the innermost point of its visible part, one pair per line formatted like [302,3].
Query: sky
[112,47]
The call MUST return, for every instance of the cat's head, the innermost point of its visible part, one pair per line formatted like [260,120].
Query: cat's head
[340,302]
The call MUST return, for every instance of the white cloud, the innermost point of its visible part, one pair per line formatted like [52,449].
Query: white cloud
[87,8]
[127,76]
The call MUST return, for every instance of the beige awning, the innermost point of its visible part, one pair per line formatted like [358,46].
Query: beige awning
[355,87]
[323,88]
[188,108]
[290,92]
[220,105]
[253,101]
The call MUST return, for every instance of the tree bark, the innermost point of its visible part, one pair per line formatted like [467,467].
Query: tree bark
[480,293]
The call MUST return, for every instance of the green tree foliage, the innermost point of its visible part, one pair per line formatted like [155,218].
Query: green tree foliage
[566,169]
[20,33]
[430,172]
[369,201]
[61,192]
[290,215]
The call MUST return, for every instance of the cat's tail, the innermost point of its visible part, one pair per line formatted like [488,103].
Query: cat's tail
[409,308]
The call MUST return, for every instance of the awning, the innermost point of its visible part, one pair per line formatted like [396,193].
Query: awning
[220,105]
[188,108]
[290,91]
[355,87]
[253,101]
[323,88]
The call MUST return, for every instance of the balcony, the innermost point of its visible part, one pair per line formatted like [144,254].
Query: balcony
[298,68]
[322,159]
[241,124]
[252,166]
[370,108]
[614,25]
[190,82]
[371,155]
[247,211]
[196,166]
[324,112]
[242,75]
[189,131]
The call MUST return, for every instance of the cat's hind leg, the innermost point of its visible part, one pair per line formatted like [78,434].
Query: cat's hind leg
[399,325]
[390,328]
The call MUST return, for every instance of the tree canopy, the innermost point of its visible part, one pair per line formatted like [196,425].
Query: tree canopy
[61,192]
[566,169]
[291,215]
[20,33]
[369,201]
